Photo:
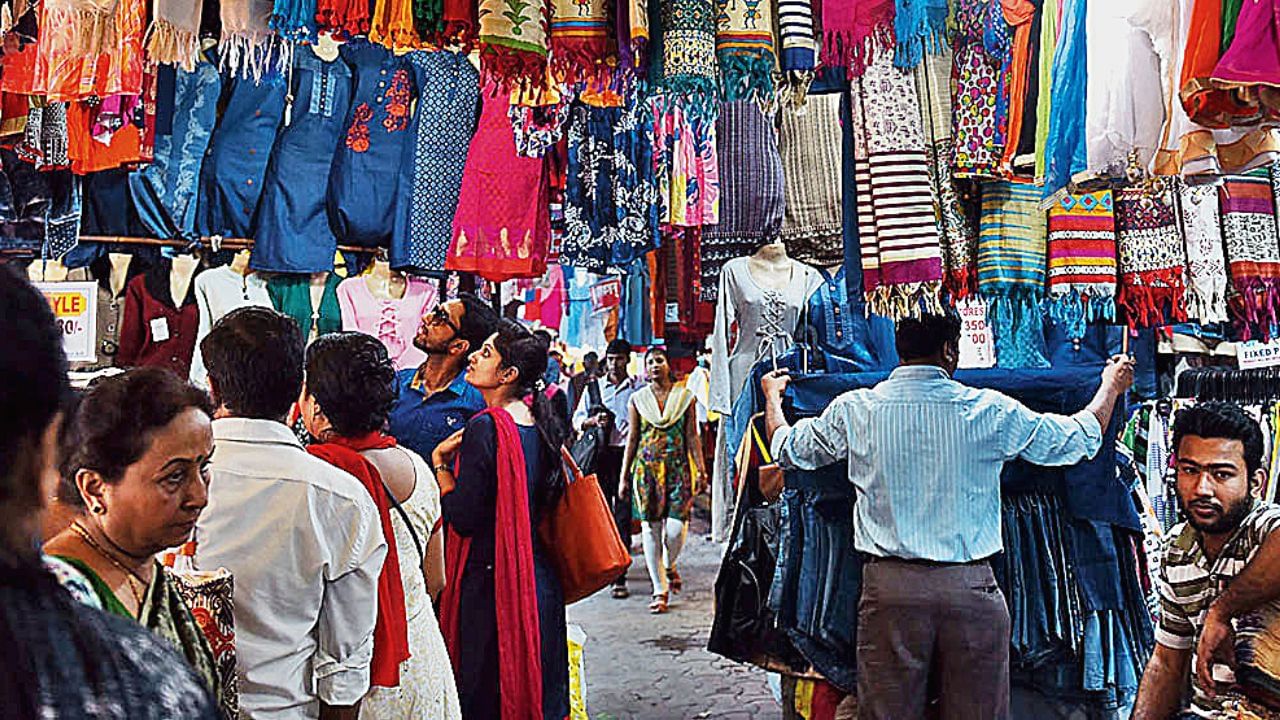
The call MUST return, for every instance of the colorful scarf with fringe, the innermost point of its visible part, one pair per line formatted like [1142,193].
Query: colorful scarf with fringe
[799,47]
[977,79]
[1253,251]
[1153,286]
[392,25]
[580,40]
[1012,239]
[458,23]
[249,48]
[295,20]
[745,48]
[919,26]
[810,143]
[898,232]
[854,32]
[632,35]
[689,54]
[174,35]
[1206,263]
[959,242]
[1082,260]
[513,42]
[341,17]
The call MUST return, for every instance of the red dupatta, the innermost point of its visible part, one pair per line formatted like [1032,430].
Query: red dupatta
[515,589]
[391,633]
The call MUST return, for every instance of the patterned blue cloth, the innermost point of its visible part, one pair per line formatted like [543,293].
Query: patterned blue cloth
[232,172]
[925,455]
[294,233]
[431,169]
[366,174]
[165,191]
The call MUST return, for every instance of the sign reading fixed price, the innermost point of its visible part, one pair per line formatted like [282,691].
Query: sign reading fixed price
[606,294]
[75,308]
[1254,354]
[977,348]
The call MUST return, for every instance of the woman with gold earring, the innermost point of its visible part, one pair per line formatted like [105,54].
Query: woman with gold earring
[142,444]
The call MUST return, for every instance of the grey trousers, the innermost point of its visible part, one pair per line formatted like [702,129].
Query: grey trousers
[945,622]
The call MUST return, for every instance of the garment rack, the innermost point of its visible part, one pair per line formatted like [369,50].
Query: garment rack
[204,242]
[1253,386]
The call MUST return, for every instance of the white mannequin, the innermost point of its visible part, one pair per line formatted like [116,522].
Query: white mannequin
[771,267]
[240,263]
[318,282]
[119,272]
[383,282]
[184,268]
[47,271]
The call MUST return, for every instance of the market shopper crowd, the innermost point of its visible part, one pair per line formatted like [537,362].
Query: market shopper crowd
[392,567]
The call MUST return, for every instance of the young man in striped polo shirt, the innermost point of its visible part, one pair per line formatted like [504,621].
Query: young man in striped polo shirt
[1221,565]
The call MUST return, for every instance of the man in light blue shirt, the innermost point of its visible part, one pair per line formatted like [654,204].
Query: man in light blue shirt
[925,455]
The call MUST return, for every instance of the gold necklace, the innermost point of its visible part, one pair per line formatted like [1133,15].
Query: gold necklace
[130,576]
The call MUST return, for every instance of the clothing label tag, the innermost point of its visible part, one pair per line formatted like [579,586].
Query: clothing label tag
[672,314]
[977,350]
[1254,354]
[159,329]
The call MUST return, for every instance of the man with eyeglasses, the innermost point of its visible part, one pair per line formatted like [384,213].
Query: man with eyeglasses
[435,398]
[1219,579]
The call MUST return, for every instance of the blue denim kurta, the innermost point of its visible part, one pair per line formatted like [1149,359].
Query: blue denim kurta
[366,173]
[294,233]
[431,169]
[231,177]
[164,192]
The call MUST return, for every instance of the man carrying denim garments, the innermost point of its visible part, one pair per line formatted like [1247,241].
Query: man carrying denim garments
[925,455]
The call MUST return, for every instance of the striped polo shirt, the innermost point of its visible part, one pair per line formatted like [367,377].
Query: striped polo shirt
[1188,582]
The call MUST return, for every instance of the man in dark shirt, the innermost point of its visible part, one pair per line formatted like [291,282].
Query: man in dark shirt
[578,383]
[435,398]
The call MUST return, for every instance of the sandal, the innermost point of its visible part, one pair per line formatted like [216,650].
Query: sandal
[659,604]
[673,579]
[620,592]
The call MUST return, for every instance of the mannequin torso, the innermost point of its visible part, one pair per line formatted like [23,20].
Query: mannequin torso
[770,267]
[119,272]
[184,268]
[385,283]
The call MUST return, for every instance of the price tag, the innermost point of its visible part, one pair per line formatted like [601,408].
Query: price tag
[672,314]
[606,294]
[75,308]
[159,329]
[977,348]
[1254,354]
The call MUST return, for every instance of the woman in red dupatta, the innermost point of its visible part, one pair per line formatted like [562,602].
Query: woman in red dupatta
[350,388]
[502,609]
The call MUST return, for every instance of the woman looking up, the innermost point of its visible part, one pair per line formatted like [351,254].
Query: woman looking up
[349,391]
[143,440]
[661,465]
[500,581]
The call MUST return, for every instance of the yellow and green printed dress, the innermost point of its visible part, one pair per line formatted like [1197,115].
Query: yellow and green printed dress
[661,475]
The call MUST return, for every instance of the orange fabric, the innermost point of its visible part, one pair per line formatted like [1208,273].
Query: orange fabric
[392,25]
[18,67]
[1206,105]
[131,144]
[90,49]
[1019,14]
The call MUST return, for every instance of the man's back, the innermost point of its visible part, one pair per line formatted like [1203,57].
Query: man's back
[303,541]
[925,455]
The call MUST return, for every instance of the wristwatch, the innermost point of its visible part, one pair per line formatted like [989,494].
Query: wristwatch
[444,467]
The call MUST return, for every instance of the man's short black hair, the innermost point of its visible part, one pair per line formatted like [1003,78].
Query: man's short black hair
[618,347]
[479,321]
[254,357]
[1221,420]
[591,356]
[918,338]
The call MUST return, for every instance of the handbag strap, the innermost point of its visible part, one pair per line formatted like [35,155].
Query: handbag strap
[762,445]
[593,392]
[395,503]
[570,465]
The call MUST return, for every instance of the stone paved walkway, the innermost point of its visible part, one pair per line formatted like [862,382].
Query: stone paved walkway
[650,667]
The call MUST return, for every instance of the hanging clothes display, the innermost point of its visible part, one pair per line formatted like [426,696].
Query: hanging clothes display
[394,321]
[809,143]
[853,33]
[745,48]
[432,166]
[1206,265]
[1082,260]
[799,48]
[218,292]
[1152,257]
[513,42]
[364,182]
[1011,271]
[977,74]
[89,49]
[293,296]
[686,166]
[293,229]
[502,226]
[580,41]
[174,34]
[154,331]
[1253,251]
[751,190]
[687,70]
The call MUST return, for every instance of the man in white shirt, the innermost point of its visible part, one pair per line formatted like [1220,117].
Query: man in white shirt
[301,537]
[605,406]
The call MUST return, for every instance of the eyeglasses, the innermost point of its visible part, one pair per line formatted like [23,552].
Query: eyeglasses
[440,316]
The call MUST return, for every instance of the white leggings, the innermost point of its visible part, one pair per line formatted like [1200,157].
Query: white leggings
[657,535]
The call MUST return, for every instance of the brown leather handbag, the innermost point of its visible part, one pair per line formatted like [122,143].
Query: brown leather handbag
[581,538]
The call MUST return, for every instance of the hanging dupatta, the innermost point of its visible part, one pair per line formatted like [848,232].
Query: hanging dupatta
[688,42]
[580,41]
[342,17]
[854,31]
[810,143]
[664,416]
[393,25]
[919,26]
[249,47]
[1206,264]
[631,27]
[1011,270]
[1082,260]
[897,229]
[745,48]
[1152,259]
[295,20]
[458,23]
[977,77]
[174,34]
[391,633]
[1253,251]
[513,41]
[799,46]
[515,588]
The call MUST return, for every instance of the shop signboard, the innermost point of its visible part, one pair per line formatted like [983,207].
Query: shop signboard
[75,308]
[1254,354]
[977,349]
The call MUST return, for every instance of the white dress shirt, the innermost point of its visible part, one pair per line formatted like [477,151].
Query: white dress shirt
[617,399]
[304,543]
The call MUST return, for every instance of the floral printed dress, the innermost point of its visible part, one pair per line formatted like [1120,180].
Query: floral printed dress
[661,479]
